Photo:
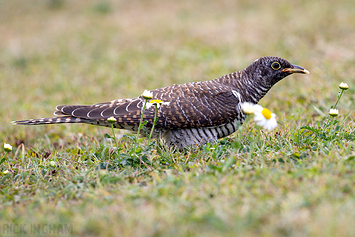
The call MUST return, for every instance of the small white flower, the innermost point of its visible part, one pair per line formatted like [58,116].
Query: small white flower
[6,172]
[111,119]
[52,163]
[343,86]
[147,95]
[262,116]
[7,147]
[265,118]
[333,112]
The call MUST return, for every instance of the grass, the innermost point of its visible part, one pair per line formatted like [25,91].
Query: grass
[66,179]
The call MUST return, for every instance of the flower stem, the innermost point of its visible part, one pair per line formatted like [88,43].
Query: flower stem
[140,125]
[154,122]
[114,138]
[339,96]
[3,158]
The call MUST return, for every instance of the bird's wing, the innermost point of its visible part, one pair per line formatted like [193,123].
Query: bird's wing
[198,104]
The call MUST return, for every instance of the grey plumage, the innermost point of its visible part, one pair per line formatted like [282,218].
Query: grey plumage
[191,114]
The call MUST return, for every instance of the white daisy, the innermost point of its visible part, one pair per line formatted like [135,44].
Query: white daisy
[264,118]
[333,112]
[111,119]
[147,95]
[343,86]
[7,147]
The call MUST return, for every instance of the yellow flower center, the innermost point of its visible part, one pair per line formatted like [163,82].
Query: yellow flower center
[156,101]
[266,113]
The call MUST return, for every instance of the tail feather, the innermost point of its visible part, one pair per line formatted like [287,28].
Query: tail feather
[71,119]
[54,120]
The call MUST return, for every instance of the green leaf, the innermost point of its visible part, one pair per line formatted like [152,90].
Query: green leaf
[108,135]
[350,158]
[310,129]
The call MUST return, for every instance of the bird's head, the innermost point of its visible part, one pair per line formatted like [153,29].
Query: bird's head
[273,69]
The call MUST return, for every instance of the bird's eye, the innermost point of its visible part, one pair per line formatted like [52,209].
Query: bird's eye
[276,65]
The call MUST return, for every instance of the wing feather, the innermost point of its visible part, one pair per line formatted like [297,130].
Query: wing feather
[191,105]
[198,104]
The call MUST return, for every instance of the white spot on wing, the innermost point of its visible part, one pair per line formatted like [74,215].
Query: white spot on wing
[183,112]
[138,105]
[102,112]
[182,92]
[236,94]
[130,102]
[114,111]
[72,112]
[171,91]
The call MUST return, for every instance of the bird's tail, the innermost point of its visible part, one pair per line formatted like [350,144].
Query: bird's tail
[71,119]
[53,120]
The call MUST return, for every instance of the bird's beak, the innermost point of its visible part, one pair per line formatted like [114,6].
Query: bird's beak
[296,69]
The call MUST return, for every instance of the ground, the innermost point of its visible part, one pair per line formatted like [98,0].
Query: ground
[297,180]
